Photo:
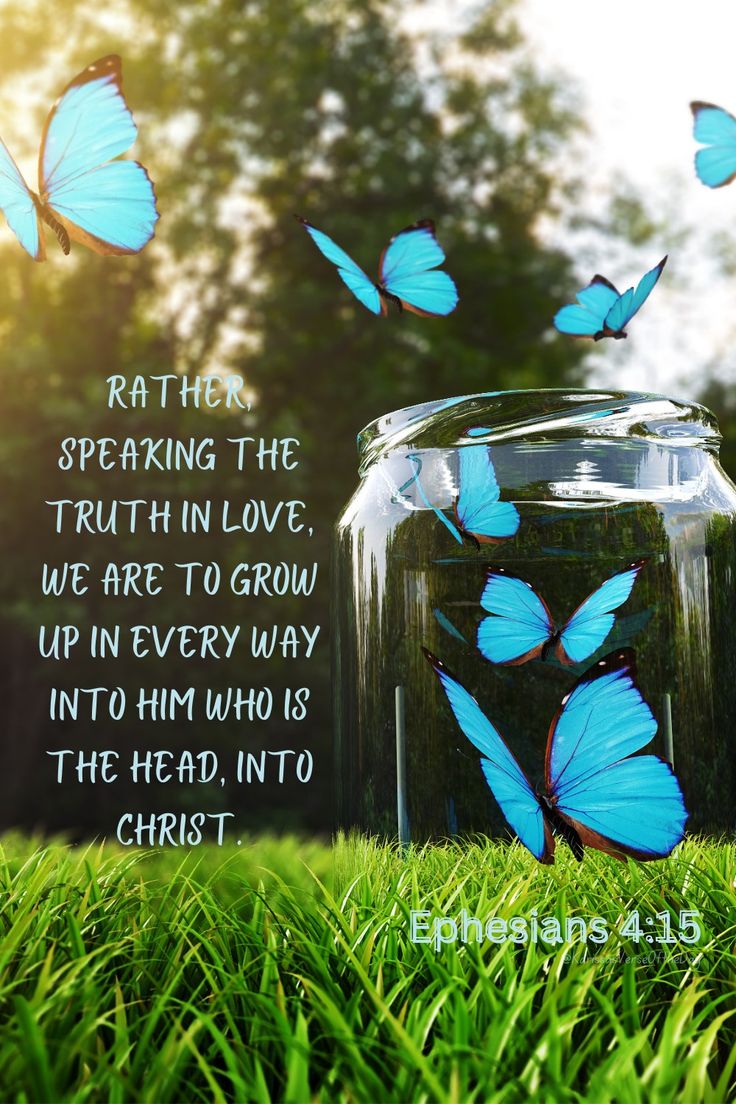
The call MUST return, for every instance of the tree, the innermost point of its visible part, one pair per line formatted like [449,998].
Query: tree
[721,400]
[249,113]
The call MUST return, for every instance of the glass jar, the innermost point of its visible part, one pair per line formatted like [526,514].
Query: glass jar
[598,481]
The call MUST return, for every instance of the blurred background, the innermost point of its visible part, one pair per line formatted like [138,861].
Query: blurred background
[547,143]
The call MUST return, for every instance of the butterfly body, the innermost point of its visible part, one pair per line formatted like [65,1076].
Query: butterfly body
[408,276]
[558,826]
[601,311]
[386,298]
[85,193]
[552,644]
[47,216]
[597,792]
[521,628]
[617,335]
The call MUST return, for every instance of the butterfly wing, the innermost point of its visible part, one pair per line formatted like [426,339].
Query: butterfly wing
[587,317]
[593,620]
[636,809]
[407,270]
[478,509]
[716,129]
[109,206]
[506,780]
[444,622]
[18,207]
[349,272]
[632,301]
[111,209]
[521,623]
[429,294]
[621,805]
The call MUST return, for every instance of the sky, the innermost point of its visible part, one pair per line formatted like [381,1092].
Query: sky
[636,65]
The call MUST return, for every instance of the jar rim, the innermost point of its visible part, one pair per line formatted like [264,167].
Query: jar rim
[553,414]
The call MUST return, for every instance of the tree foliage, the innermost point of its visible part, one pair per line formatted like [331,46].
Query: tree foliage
[250,112]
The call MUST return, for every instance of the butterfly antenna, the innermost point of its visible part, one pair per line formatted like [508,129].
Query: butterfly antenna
[58,228]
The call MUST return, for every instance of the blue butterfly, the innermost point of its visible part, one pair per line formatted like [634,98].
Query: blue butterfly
[83,195]
[521,626]
[479,513]
[594,794]
[407,272]
[716,129]
[601,311]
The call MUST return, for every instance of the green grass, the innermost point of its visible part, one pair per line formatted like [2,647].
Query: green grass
[161,978]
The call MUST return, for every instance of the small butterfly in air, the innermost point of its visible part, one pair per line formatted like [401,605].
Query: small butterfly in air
[83,195]
[716,129]
[596,792]
[521,626]
[601,311]
[479,514]
[407,272]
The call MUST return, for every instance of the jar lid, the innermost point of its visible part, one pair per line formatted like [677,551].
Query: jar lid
[547,414]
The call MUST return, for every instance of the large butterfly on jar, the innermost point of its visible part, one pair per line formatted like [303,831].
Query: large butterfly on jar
[596,791]
[408,275]
[84,194]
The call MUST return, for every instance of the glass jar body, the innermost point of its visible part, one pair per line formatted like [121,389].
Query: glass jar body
[598,481]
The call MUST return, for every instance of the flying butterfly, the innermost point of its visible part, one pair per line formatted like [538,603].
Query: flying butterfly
[521,626]
[715,129]
[597,792]
[601,311]
[407,272]
[83,194]
[480,515]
